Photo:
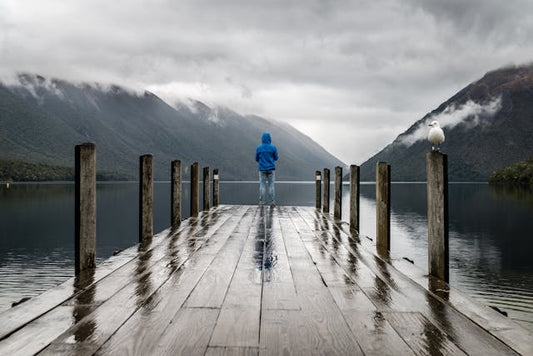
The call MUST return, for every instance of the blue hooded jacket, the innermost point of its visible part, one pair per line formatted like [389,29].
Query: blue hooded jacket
[266,154]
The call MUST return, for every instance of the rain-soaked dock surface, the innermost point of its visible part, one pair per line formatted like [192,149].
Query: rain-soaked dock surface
[244,280]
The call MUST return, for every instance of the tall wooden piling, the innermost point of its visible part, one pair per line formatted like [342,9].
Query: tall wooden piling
[337,208]
[318,189]
[216,189]
[383,180]
[325,203]
[207,197]
[437,192]
[195,196]
[146,198]
[354,197]
[85,205]
[175,194]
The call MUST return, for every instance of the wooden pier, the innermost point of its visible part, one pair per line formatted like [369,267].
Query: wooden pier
[244,280]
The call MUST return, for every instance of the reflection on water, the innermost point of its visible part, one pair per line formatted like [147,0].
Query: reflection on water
[490,233]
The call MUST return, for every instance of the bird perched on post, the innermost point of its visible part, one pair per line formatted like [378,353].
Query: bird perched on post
[436,135]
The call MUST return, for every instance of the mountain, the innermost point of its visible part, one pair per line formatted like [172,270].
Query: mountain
[488,126]
[43,119]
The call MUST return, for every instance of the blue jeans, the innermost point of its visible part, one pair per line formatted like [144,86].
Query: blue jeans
[266,183]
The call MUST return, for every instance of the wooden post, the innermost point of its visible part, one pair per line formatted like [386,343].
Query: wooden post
[195,196]
[337,208]
[175,194]
[437,191]
[383,207]
[85,205]
[146,198]
[206,200]
[325,203]
[354,197]
[318,190]
[216,192]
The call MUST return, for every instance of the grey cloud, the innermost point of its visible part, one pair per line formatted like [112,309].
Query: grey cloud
[373,65]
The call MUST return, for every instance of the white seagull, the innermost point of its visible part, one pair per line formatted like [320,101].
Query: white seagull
[436,135]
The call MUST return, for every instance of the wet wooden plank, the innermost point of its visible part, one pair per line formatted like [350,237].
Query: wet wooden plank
[319,326]
[503,328]
[211,290]
[245,281]
[112,314]
[237,326]
[90,297]
[232,351]
[393,291]
[15,318]
[286,332]
[238,322]
[278,284]
[280,296]
[141,333]
[188,333]
[421,335]
[32,339]
[374,334]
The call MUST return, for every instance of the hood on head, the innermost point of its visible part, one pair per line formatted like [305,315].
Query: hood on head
[266,138]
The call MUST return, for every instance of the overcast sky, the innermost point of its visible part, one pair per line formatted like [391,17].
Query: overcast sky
[351,74]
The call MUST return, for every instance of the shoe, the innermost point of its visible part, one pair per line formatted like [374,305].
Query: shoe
[260,206]
[272,206]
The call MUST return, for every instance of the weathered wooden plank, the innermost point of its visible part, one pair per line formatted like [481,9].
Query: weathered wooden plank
[148,276]
[394,291]
[232,351]
[287,332]
[421,335]
[319,326]
[237,326]
[300,283]
[239,319]
[188,333]
[211,290]
[32,339]
[375,335]
[278,284]
[141,333]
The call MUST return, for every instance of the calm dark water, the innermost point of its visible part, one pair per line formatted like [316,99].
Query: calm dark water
[491,235]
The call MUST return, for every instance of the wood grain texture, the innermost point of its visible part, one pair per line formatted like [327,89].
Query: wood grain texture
[242,280]
[232,351]
[422,337]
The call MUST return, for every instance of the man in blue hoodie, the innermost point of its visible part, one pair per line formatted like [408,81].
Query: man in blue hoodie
[266,155]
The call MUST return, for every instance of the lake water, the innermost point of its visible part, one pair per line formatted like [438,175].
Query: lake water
[491,239]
